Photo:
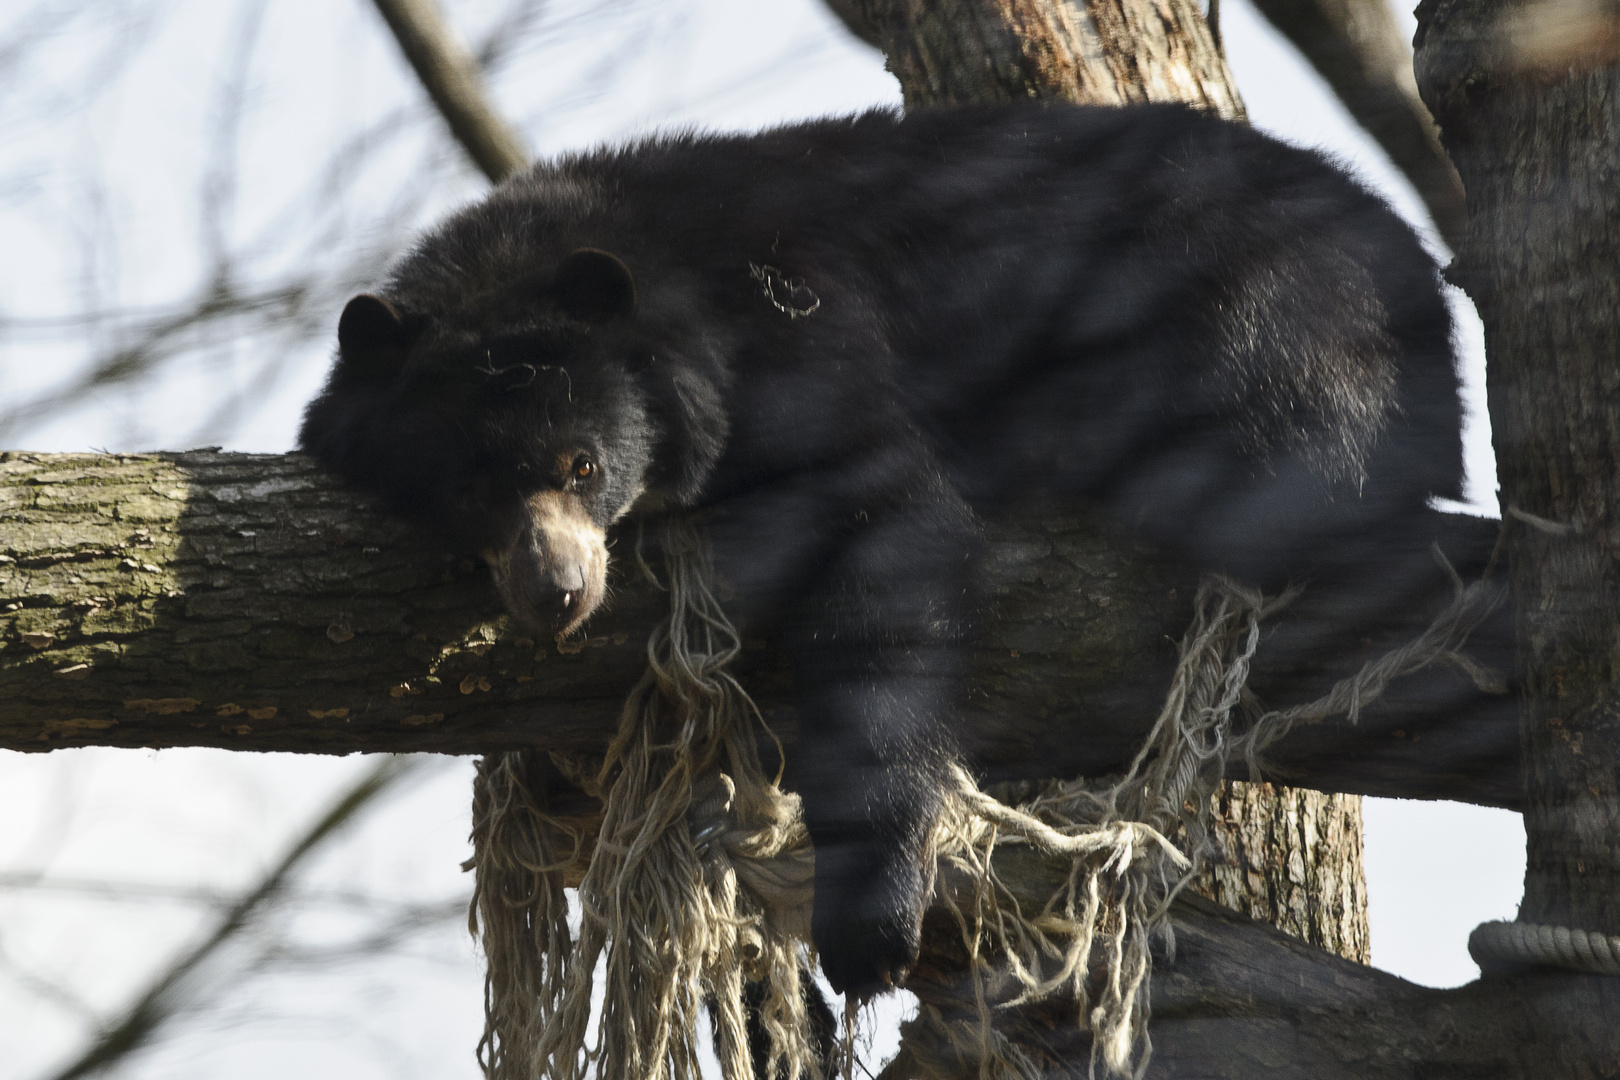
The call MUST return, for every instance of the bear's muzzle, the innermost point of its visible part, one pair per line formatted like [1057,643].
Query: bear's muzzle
[554,573]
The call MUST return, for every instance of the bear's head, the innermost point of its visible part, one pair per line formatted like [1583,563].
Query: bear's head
[520,430]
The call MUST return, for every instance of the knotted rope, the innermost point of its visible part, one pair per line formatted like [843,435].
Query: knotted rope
[1117,905]
[662,905]
[701,874]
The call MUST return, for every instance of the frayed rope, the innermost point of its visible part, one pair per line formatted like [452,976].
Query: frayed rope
[701,873]
[678,912]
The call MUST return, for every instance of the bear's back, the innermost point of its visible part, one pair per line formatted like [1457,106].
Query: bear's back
[1146,307]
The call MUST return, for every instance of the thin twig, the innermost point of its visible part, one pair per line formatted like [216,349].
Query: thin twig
[168,992]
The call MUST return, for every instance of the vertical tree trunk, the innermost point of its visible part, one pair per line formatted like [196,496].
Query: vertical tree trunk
[1096,52]
[1293,857]
[1528,101]
[1532,126]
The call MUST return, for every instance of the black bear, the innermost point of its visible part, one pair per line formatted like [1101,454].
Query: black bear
[856,337]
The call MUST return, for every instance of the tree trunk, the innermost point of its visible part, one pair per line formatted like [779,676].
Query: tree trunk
[1292,858]
[1115,52]
[1528,100]
[1533,134]
[1100,52]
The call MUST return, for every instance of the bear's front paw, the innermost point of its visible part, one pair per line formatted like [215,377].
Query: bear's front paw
[867,932]
[862,957]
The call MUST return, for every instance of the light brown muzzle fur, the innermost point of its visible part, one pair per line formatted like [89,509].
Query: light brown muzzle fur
[554,574]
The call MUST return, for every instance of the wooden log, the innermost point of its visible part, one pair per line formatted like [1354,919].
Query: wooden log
[1240,1000]
[250,602]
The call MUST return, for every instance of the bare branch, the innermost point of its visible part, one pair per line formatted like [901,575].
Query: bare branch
[158,892]
[450,74]
[283,312]
[170,990]
[1356,46]
[401,925]
[160,340]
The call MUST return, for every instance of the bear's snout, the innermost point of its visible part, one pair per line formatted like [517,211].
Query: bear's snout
[554,573]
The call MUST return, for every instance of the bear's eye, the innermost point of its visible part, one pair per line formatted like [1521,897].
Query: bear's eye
[584,469]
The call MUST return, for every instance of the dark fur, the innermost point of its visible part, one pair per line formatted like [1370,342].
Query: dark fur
[1220,340]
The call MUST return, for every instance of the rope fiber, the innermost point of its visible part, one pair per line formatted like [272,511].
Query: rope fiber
[1500,947]
[701,872]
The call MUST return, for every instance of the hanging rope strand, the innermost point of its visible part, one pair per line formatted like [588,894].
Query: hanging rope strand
[701,875]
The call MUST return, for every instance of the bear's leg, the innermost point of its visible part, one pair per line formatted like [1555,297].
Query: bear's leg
[877,646]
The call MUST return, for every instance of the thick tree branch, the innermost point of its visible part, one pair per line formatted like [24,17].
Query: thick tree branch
[1356,46]
[1241,1000]
[247,601]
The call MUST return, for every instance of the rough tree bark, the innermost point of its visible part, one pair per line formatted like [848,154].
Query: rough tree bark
[247,601]
[1528,100]
[1101,52]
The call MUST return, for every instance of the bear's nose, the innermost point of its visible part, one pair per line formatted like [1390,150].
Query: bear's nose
[545,597]
[559,591]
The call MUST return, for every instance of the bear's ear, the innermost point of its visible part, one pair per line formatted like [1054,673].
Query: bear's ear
[594,286]
[372,339]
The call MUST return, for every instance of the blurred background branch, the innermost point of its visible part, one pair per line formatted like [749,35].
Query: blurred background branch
[192,979]
[452,79]
[270,267]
